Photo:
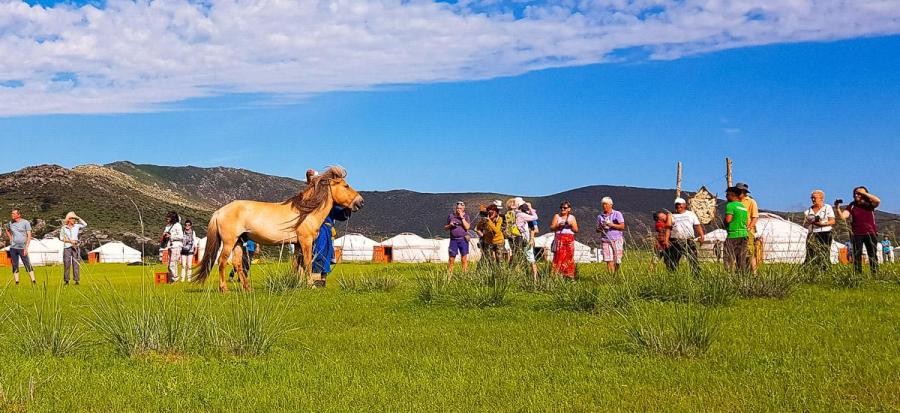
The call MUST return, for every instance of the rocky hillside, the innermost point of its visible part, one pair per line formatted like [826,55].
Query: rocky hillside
[116,198]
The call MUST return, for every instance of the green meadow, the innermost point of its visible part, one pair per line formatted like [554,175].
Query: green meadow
[401,338]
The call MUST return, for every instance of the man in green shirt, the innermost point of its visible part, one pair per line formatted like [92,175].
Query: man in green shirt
[736,217]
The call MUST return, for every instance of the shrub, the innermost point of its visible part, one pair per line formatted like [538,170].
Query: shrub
[281,278]
[251,327]
[154,325]
[575,296]
[48,332]
[714,289]
[379,281]
[769,283]
[686,332]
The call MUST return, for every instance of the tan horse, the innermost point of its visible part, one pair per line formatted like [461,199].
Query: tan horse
[294,221]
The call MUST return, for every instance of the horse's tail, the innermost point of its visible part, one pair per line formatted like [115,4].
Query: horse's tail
[212,250]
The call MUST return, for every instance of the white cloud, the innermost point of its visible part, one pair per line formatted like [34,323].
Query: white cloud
[139,55]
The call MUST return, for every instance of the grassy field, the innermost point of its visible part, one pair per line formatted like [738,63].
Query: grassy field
[831,344]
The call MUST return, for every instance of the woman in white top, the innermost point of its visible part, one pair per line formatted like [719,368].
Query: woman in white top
[172,239]
[819,219]
[188,246]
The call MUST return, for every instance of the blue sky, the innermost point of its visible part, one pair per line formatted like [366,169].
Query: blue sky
[794,116]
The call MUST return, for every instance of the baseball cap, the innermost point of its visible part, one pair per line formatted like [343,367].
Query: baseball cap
[680,201]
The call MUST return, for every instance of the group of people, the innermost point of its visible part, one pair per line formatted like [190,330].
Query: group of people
[678,233]
[519,227]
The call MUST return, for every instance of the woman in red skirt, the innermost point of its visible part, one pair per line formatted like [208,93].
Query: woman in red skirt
[565,227]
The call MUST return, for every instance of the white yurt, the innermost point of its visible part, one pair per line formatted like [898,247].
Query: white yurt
[444,249]
[583,253]
[783,241]
[712,248]
[44,252]
[117,252]
[408,247]
[355,247]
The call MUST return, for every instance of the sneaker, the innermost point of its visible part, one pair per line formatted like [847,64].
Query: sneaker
[76,283]
[65,283]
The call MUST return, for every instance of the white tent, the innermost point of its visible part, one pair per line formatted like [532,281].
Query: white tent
[356,247]
[117,252]
[44,252]
[408,247]
[783,241]
[444,249]
[711,249]
[583,253]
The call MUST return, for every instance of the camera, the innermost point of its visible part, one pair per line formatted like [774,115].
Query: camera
[838,201]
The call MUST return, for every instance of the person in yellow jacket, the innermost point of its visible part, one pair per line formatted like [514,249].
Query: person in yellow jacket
[491,230]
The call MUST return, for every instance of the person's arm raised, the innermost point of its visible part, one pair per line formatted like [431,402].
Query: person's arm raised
[574,225]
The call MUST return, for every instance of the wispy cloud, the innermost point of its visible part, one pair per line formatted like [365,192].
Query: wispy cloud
[731,131]
[141,55]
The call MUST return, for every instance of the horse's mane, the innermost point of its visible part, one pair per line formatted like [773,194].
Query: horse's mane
[316,193]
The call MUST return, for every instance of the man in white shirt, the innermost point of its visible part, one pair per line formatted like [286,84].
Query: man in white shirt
[686,231]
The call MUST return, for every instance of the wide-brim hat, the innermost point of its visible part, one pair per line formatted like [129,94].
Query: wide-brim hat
[71,215]
[742,187]
[499,204]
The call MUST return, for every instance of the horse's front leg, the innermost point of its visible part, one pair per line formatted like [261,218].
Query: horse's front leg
[306,246]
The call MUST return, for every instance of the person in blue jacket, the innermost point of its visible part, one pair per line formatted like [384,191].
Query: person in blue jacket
[323,247]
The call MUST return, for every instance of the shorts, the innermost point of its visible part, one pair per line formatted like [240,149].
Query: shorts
[613,250]
[459,246]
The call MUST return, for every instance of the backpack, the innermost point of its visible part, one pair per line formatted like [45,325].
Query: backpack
[510,230]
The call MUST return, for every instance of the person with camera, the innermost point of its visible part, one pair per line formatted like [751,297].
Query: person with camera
[526,215]
[861,213]
[564,227]
[458,223]
[187,251]
[686,232]
[490,228]
[611,227]
[68,234]
[513,233]
[820,219]
[172,240]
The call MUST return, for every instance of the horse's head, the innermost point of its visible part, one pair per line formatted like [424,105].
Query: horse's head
[341,192]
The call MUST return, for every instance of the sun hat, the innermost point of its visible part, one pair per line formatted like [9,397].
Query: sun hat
[499,204]
[519,201]
[71,215]
[742,187]
[680,201]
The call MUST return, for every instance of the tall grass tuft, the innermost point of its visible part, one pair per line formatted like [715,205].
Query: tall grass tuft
[845,278]
[673,287]
[251,326]
[384,280]
[714,289]
[688,331]
[777,282]
[281,278]
[432,287]
[154,325]
[48,332]
[575,296]
[487,286]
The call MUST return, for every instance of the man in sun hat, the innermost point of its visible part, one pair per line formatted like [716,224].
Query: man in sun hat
[68,234]
[753,216]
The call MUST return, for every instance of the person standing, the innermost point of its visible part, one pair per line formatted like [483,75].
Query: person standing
[323,246]
[68,234]
[19,233]
[887,249]
[513,233]
[526,215]
[458,224]
[564,226]
[491,228]
[248,249]
[820,219]
[611,226]
[737,217]
[188,247]
[686,232]
[752,219]
[172,240]
[861,213]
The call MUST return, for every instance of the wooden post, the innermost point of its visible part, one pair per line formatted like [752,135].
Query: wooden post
[728,176]
[678,182]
